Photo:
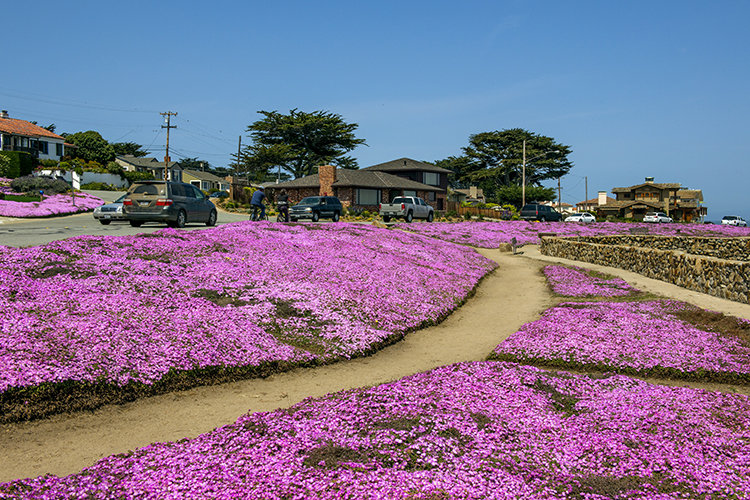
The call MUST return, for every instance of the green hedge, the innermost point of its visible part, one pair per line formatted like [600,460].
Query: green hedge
[21,163]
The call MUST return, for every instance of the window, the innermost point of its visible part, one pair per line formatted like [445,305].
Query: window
[431,178]
[43,147]
[58,149]
[368,196]
[431,196]
[410,193]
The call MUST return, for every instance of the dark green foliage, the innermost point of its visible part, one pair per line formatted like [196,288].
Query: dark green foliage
[298,142]
[128,148]
[31,184]
[513,195]
[138,176]
[19,164]
[91,146]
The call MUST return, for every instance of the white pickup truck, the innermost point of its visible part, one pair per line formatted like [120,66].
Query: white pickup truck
[407,208]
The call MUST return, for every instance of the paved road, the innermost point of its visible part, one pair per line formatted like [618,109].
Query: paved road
[31,232]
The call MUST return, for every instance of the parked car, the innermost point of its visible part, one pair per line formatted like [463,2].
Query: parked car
[657,217]
[407,208]
[733,220]
[584,217]
[219,194]
[111,211]
[175,203]
[316,208]
[536,211]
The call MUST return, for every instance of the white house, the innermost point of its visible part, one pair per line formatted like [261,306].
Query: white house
[20,135]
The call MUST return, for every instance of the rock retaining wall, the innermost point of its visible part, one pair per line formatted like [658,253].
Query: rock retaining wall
[716,266]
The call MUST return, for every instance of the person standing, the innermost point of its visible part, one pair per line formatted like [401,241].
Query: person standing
[257,203]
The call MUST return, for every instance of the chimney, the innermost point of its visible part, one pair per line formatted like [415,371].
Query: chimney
[650,180]
[602,198]
[327,176]
[4,113]
[473,192]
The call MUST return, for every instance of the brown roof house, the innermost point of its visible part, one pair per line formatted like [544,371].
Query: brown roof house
[20,135]
[367,187]
[131,163]
[633,202]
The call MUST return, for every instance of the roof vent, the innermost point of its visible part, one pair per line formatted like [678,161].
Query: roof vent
[649,179]
[4,114]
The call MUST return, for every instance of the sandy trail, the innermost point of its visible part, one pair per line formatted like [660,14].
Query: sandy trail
[514,294]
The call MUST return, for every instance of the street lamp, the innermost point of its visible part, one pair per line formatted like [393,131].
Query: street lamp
[523,170]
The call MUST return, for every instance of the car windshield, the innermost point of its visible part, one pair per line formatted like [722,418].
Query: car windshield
[310,200]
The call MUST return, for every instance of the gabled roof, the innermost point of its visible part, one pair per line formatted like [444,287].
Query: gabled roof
[145,162]
[595,201]
[406,165]
[360,179]
[204,176]
[693,194]
[671,185]
[27,129]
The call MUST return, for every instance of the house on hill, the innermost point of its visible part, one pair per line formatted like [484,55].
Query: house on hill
[368,187]
[682,204]
[131,163]
[205,181]
[21,135]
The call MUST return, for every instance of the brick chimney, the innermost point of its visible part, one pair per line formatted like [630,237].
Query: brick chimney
[602,198]
[3,114]
[327,176]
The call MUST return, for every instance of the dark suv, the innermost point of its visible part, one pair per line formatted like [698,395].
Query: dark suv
[316,208]
[175,203]
[535,211]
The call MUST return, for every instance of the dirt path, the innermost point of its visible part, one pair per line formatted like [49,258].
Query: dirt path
[65,444]
[515,294]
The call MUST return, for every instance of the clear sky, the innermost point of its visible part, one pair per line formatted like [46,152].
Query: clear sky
[637,88]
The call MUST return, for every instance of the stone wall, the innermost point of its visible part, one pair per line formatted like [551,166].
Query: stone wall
[684,261]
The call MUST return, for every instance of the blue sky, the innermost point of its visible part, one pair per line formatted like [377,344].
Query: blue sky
[638,88]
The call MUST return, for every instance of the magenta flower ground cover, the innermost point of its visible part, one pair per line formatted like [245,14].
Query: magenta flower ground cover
[117,310]
[578,282]
[648,338]
[473,430]
[492,234]
[58,204]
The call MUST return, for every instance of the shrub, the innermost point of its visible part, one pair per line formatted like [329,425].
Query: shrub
[114,168]
[99,186]
[20,163]
[138,176]
[31,184]
[49,164]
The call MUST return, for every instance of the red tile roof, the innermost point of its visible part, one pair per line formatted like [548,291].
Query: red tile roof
[22,127]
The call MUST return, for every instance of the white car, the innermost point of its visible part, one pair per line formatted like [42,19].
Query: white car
[733,220]
[658,217]
[111,211]
[584,217]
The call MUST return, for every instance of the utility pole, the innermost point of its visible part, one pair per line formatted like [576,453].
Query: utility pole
[168,115]
[586,178]
[523,176]
[239,151]
[559,196]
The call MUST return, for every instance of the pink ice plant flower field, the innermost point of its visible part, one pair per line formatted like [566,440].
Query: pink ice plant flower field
[489,430]
[578,282]
[492,234]
[130,309]
[58,204]
[628,337]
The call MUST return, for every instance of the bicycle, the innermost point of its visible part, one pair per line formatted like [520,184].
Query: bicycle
[255,217]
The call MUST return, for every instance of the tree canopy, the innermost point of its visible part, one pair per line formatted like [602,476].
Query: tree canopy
[298,142]
[494,160]
[91,146]
[128,148]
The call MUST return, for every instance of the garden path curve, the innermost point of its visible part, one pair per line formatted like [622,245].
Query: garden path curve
[514,294]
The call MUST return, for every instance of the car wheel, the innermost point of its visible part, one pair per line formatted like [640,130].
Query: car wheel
[136,223]
[409,217]
[316,217]
[211,218]
[104,222]
[181,219]
[336,217]
[542,219]
[430,216]
[386,218]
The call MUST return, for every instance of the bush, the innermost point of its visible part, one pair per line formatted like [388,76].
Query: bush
[138,176]
[20,163]
[114,168]
[99,186]
[32,185]
[49,164]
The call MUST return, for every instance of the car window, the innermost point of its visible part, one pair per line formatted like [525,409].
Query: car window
[153,189]
[188,190]
[310,200]
[198,193]
[400,200]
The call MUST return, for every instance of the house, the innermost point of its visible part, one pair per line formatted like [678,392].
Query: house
[471,195]
[204,180]
[563,208]
[131,163]
[633,202]
[592,204]
[20,135]
[368,187]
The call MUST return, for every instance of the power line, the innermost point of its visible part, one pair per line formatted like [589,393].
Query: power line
[72,104]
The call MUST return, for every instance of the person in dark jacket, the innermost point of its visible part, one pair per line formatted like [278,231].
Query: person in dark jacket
[257,203]
[282,203]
